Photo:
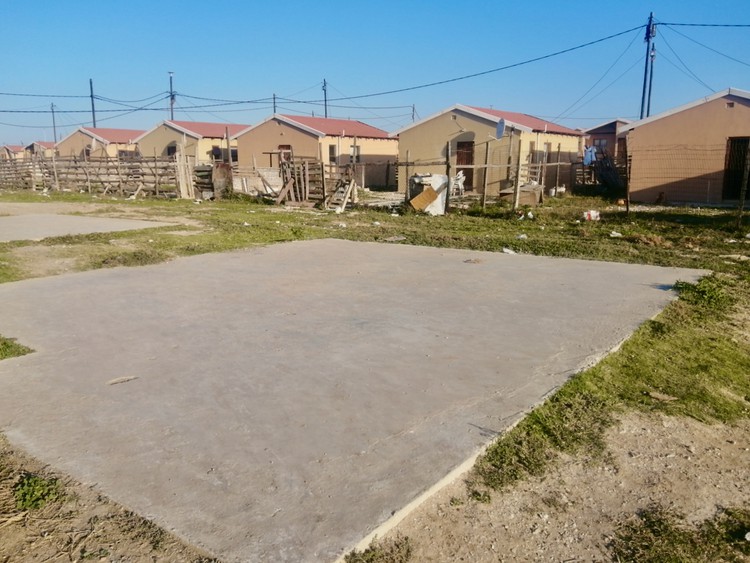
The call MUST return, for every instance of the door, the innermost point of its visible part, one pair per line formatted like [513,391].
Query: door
[464,157]
[734,167]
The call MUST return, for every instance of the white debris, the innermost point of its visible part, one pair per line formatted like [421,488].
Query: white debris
[522,236]
[508,251]
[615,234]
[591,215]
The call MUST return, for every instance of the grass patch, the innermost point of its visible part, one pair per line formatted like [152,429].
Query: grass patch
[32,491]
[688,354]
[397,550]
[9,348]
[659,535]
[137,257]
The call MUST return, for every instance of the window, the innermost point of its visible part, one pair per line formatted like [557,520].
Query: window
[332,154]
[600,144]
[216,152]
[285,153]
[730,105]
[354,154]
[171,150]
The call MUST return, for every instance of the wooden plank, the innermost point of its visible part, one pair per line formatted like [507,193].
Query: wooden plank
[287,189]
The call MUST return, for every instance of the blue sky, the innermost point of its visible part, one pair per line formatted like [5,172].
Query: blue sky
[250,50]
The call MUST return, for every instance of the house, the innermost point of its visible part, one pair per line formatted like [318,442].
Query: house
[606,139]
[201,141]
[470,132]
[99,142]
[40,149]
[336,142]
[11,152]
[694,153]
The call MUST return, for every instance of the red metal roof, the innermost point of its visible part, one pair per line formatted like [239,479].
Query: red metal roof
[124,136]
[530,121]
[14,148]
[45,144]
[205,129]
[339,127]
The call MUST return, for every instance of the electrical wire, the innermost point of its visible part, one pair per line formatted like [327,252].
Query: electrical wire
[731,58]
[608,86]
[563,113]
[498,69]
[707,24]
[690,72]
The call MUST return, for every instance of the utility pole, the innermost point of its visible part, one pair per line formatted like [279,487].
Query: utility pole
[325,97]
[413,113]
[171,97]
[650,33]
[650,79]
[54,124]
[93,109]
[274,103]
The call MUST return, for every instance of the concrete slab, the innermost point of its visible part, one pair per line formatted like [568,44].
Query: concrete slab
[277,404]
[41,226]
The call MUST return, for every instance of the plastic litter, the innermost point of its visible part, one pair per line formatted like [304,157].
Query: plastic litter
[522,236]
[591,215]
[615,234]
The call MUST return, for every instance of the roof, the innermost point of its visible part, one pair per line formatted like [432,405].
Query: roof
[43,144]
[13,148]
[206,129]
[721,94]
[534,123]
[106,135]
[336,127]
[522,121]
[324,126]
[608,124]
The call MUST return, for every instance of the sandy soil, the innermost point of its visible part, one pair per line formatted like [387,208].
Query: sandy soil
[572,513]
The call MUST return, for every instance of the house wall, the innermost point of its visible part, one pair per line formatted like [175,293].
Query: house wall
[681,157]
[158,141]
[426,143]
[75,146]
[375,154]
[268,136]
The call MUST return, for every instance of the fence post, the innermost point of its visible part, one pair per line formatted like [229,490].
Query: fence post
[486,172]
[406,175]
[448,173]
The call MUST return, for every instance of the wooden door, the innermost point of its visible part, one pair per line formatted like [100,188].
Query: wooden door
[465,156]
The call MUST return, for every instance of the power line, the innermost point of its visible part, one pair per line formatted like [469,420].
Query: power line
[606,72]
[498,69]
[706,46]
[690,72]
[40,95]
[707,24]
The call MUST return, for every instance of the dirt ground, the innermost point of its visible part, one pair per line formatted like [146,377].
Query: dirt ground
[570,514]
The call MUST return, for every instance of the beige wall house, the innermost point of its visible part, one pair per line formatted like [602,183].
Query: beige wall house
[98,142]
[694,153]
[39,149]
[606,139]
[471,132]
[201,141]
[11,152]
[334,141]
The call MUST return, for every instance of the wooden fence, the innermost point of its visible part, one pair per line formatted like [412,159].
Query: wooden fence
[147,176]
